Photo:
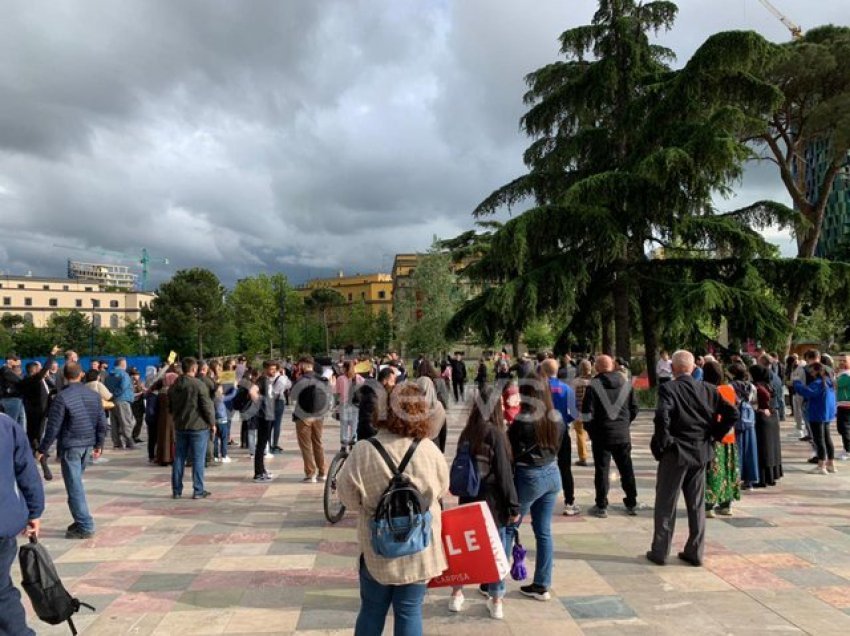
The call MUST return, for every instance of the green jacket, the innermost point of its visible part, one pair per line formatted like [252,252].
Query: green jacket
[190,405]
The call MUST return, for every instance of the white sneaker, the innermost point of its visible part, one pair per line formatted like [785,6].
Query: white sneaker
[217,459]
[495,609]
[830,468]
[844,456]
[309,480]
[818,470]
[226,460]
[268,456]
[571,510]
[456,602]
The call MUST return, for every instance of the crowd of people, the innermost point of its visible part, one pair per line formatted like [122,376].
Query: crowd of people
[717,433]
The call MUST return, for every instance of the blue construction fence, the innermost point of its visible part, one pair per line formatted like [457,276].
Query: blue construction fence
[147,365]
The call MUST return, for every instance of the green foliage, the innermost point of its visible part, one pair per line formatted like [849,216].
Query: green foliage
[538,335]
[647,398]
[192,302]
[255,304]
[359,328]
[70,330]
[426,307]
[383,331]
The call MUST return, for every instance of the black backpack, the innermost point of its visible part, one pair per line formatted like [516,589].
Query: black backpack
[402,523]
[50,600]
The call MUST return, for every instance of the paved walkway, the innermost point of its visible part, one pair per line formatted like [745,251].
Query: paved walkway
[260,559]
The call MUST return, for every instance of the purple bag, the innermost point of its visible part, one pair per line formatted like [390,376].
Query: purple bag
[518,570]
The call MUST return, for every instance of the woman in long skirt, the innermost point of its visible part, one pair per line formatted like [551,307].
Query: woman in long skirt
[745,436]
[723,485]
[767,430]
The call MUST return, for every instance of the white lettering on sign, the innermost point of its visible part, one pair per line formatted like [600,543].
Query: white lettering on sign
[469,538]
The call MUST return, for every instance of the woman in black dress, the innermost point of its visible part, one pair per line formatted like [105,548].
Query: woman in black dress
[767,430]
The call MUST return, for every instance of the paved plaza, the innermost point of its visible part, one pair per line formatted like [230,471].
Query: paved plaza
[260,559]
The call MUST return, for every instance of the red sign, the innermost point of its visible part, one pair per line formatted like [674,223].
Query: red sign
[473,548]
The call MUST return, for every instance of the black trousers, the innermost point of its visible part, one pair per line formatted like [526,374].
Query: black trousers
[35,426]
[138,409]
[843,428]
[622,456]
[566,470]
[672,478]
[823,441]
[264,428]
[458,388]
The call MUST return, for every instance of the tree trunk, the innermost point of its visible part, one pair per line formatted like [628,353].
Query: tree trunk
[792,312]
[622,322]
[648,319]
[607,347]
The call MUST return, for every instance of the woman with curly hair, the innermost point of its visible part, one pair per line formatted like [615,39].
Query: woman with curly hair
[398,582]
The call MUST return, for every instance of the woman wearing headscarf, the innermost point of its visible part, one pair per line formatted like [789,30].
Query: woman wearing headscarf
[722,480]
[767,429]
[426,370]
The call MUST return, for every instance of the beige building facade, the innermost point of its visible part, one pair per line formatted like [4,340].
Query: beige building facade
[36,299]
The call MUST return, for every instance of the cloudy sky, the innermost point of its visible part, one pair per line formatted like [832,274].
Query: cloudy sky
[302,136]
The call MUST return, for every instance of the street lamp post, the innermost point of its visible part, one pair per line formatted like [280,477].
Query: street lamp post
[91,337]
[200,339]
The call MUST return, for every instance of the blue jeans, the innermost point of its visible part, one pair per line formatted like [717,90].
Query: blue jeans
[538,489]
[74,461]
[222,434]
[14,408]
[194,444]
[13,619]
[375,601]
[497,590]
[279,408]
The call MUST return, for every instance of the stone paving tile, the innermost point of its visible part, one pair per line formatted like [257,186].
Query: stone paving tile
[260,559]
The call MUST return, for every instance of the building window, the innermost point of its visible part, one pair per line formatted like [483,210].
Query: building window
[65,288]
[382,295]
[20,285]
[89,289]
[78,302]
[113,303]
[28,318]
[7,300]
[96,320]
[46,287]
[28,302]
[113,321]
[53,302]
[95,303]
[350,298]
[363,295]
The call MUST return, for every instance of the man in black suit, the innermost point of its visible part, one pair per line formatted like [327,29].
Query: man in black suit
[35,391]
[689,416]
[458,376]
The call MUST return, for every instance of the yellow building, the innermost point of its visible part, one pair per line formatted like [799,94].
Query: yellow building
[376,290]
[37,299]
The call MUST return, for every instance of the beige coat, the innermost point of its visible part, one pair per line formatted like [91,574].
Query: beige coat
[364,478]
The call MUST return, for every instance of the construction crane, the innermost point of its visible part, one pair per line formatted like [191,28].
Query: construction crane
[145,260]
[796,30]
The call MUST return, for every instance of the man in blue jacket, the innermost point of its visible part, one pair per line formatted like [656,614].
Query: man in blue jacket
[564,401]
[120,385]
[22,502]
[77,421]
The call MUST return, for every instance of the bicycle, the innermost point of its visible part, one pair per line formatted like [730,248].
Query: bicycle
[334,508]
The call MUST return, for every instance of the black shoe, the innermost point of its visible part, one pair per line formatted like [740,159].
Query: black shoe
[137,440]
[73,526]
[692,560]
[176,495]
[129,447]
[230,442]
[812,460]
[581,462]
[45,468]
[656,560]
[201,495]
[806,438]
[535,591]
[77,533]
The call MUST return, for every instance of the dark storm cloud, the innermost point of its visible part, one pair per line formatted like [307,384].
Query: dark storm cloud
[298,135]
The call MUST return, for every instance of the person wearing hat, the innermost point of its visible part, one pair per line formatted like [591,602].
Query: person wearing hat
[312,396]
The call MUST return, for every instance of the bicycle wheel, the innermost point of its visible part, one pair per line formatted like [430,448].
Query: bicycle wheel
[334,510]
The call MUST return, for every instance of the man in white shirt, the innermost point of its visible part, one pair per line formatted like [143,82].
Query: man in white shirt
[664,368]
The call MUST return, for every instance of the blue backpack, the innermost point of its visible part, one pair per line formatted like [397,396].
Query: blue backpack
[402,522]
[746,416]
[464,480]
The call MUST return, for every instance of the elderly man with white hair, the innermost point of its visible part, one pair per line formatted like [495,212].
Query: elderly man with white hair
[690,415]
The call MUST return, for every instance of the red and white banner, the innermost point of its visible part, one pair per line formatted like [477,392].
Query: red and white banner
[473,547]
